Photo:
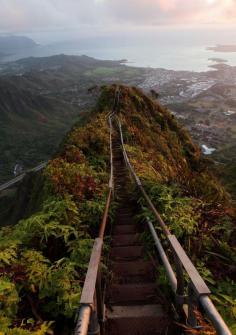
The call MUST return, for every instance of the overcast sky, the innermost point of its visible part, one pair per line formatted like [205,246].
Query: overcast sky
[18,16]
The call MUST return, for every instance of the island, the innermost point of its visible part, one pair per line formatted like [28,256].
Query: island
[223,48]
[218,60]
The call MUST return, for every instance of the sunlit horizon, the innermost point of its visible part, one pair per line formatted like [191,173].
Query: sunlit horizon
[113,15]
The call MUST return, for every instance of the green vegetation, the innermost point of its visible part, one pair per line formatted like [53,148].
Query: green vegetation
[43,258]
[32,127]
[190,199]
[227,168]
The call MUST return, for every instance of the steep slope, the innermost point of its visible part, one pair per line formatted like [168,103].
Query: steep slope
[227,167]
[43,257]
[166,148]
[32,126]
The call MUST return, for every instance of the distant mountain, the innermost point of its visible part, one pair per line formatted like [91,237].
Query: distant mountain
[72,65]
[10,44]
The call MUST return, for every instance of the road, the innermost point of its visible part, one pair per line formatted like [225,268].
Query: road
[20,177]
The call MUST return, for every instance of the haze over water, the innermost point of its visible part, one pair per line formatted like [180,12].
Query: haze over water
[169,48]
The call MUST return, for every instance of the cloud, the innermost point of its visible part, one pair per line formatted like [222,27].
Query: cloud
[173,11]
[22,15]
[45,14]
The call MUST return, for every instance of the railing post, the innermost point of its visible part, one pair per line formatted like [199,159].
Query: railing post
[180,297]
[192,305]
[94,328]
[180,277]
[100,301]
[83,320]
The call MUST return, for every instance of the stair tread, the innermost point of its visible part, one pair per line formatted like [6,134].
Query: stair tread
[138,286]
[125,239]
[127,252]
[133,268]
[135,311]
[133,293]
[124,229]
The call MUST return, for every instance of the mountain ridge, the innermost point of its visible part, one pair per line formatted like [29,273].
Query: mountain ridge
[64,208]
[9,44]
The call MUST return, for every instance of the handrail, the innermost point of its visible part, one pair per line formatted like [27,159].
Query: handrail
[201,291]
[87,296]
[15,180]
[170,273]
[91,302]
[110,185]
[83,320]
[91,293]
[197,281]
[111,155]
[105,215]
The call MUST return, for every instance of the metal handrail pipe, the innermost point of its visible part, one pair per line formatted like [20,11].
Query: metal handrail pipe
[110,185]
[169,271]
[197,281]
[111,156]
[91,283]
[155,212]
[212,313]
[126,158]
[87,295]
[19,178]
[83,320]
[105,215]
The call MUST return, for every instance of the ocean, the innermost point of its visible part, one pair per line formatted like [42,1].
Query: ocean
[171,48]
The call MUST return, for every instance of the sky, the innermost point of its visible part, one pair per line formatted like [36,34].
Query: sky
[19,16]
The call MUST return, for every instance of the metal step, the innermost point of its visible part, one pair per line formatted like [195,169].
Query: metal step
[132,293]
[127,253]
[137,268]
[125,240]
[124,229]
[136,320]
[126,213]
[124,221]
[143,293]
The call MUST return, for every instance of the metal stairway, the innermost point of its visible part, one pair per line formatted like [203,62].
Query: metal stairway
[134,301]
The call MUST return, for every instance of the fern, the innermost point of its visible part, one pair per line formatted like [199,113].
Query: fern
[8,254]
[9,298]
[44,329]
[36,267]
[80,251]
